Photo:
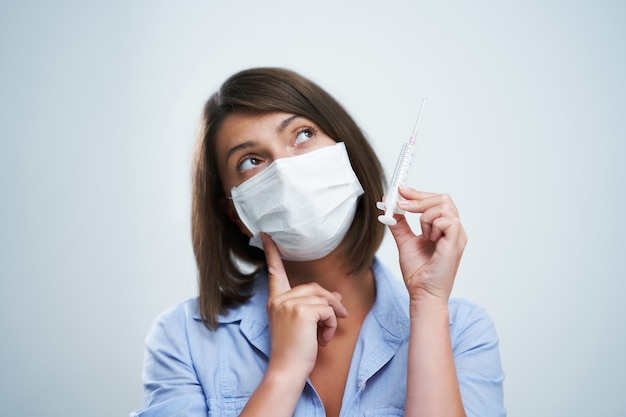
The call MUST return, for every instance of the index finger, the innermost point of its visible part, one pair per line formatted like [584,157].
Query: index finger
[412,194]
[420,201]
[277,277]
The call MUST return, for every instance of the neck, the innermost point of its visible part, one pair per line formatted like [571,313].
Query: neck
[332,273]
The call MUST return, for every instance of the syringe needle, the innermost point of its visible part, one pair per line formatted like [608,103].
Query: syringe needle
[417,123]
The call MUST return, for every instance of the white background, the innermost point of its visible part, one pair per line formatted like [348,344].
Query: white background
[99,103]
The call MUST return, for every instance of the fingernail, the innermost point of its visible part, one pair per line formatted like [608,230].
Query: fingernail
[403,204]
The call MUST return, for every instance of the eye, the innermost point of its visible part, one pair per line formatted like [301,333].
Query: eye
[248,162]
[304,135]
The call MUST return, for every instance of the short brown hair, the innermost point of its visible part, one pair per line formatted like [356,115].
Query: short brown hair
[219,246]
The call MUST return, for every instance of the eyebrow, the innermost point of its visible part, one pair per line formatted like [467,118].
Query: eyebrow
[238,147]
[249,144]
[285,123]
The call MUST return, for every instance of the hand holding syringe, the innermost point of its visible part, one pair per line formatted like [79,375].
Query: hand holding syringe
[390,205]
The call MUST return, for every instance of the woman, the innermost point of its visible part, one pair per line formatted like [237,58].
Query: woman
[295,315]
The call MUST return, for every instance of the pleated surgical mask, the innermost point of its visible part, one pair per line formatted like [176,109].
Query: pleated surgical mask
[306,203]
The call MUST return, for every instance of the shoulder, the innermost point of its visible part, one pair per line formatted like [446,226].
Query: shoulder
[182,311]
[460,308]
[470,325]
[175,321]
[463,312]
[477,359]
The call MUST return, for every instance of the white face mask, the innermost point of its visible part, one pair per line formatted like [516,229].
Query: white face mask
[306,203]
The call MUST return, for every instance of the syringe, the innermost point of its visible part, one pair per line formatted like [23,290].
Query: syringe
[390,205]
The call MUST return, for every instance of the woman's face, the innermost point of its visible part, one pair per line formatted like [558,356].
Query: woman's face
[247,143]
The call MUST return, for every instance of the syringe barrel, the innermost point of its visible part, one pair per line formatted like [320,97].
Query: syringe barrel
[400,175]
[403,166]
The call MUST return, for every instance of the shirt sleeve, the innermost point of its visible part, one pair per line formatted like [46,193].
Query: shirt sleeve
[171,386]
[477,359]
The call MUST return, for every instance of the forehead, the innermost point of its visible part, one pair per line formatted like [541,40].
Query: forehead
[240,127]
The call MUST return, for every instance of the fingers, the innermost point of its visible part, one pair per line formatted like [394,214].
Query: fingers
[327,326]
[432,207]
[420,201]
[279,282]
[304,306]
[429,262]
[302,319]
[297,299]
[401,231]
[277,277]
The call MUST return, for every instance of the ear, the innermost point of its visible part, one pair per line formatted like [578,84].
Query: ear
[228,207]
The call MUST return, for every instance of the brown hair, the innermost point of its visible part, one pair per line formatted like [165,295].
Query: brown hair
[219,246]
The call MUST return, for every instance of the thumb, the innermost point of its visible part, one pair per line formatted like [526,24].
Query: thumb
[277,277]
[401,231]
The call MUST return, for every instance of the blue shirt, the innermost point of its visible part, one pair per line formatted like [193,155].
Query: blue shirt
[192,371]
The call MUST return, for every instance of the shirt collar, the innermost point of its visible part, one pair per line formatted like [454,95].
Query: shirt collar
[390,308]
